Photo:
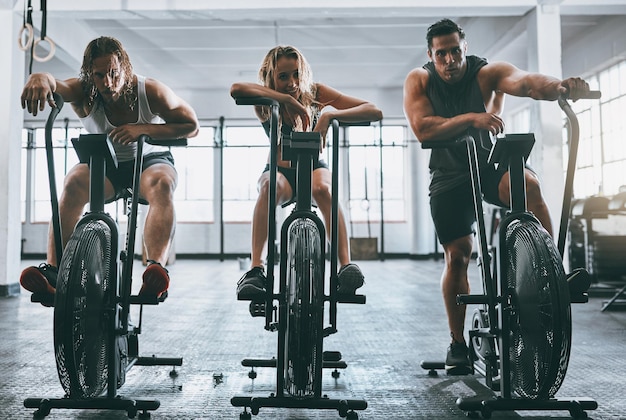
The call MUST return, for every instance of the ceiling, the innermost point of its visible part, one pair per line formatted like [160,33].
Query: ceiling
[207,45]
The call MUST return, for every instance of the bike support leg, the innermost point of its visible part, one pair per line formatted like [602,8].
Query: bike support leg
[575,406]
[131,406]
[342,406]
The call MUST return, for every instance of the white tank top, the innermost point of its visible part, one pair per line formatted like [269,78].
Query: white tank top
[98,123]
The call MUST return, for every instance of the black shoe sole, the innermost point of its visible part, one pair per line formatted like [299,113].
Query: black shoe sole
[458,370]
[250,292]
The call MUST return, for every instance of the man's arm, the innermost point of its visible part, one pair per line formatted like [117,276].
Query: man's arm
[505,77]
[180,118]
[427,126]
[40,86]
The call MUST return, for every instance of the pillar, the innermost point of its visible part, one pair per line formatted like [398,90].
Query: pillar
[12,73]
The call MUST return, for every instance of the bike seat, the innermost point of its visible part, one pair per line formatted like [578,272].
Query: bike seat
[300,142]
[511,145]
[88,145]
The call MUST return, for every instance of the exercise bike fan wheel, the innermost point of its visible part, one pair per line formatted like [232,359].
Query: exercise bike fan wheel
[82,341]
[541,325]
[303,352]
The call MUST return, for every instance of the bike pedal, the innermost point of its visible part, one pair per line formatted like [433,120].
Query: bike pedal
[257,309]
[331,356]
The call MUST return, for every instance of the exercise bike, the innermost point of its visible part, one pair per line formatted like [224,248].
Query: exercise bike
[299,317]
[520,337]
[95,343]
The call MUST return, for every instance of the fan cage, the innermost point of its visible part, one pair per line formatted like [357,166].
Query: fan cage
[541,317]
[81,333]
[305,308]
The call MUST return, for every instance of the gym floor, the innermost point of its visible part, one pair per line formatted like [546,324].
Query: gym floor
[382,342]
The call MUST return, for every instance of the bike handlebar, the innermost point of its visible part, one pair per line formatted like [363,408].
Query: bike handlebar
[165,142]
[592,94]
[354,124]
[442,144]
[256,100]
[568,190]
[54,201]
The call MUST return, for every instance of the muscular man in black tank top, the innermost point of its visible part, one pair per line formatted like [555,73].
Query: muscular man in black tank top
[451,95]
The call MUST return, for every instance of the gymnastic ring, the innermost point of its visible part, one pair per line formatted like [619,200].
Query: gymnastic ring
[31,36]
[50,54]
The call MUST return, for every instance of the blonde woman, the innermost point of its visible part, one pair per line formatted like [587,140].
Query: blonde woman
[286,76]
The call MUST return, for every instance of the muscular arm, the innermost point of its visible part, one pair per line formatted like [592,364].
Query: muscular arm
[180,118]
[506,78]
[40,86]
[426,125]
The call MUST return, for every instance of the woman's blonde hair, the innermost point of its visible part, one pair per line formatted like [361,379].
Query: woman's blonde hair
[307,88]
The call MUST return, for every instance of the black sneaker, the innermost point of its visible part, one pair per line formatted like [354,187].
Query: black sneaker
[457,360]
[349,278]
[42,279]
[252,285]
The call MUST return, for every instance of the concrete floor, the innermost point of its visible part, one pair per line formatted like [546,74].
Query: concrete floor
[383,343]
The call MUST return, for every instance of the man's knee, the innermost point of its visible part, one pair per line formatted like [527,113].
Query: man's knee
[534,196]
[321,193]
[457,255]
[76,187]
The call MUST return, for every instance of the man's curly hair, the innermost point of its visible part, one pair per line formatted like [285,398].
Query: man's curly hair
[100,47]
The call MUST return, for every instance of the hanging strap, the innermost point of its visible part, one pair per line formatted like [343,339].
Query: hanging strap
[31,44]
[44,18]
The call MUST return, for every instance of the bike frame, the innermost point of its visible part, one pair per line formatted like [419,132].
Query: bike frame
[305,148]
[496,298]
[98,152]
[304,152]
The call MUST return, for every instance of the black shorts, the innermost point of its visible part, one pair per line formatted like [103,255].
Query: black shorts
[122,176]
[453,210]
[290,173]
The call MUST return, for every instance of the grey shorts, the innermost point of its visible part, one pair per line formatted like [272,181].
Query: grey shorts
[122,176]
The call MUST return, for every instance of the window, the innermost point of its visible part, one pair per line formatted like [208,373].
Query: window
[372,154]
[34,161]
[245,155]
[193,198]
[194,163]
[601,162]
[377,153]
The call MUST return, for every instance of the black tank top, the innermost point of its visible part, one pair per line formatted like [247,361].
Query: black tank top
[449,167]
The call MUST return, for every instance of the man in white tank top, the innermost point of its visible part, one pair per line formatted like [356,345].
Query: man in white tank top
[109,98]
